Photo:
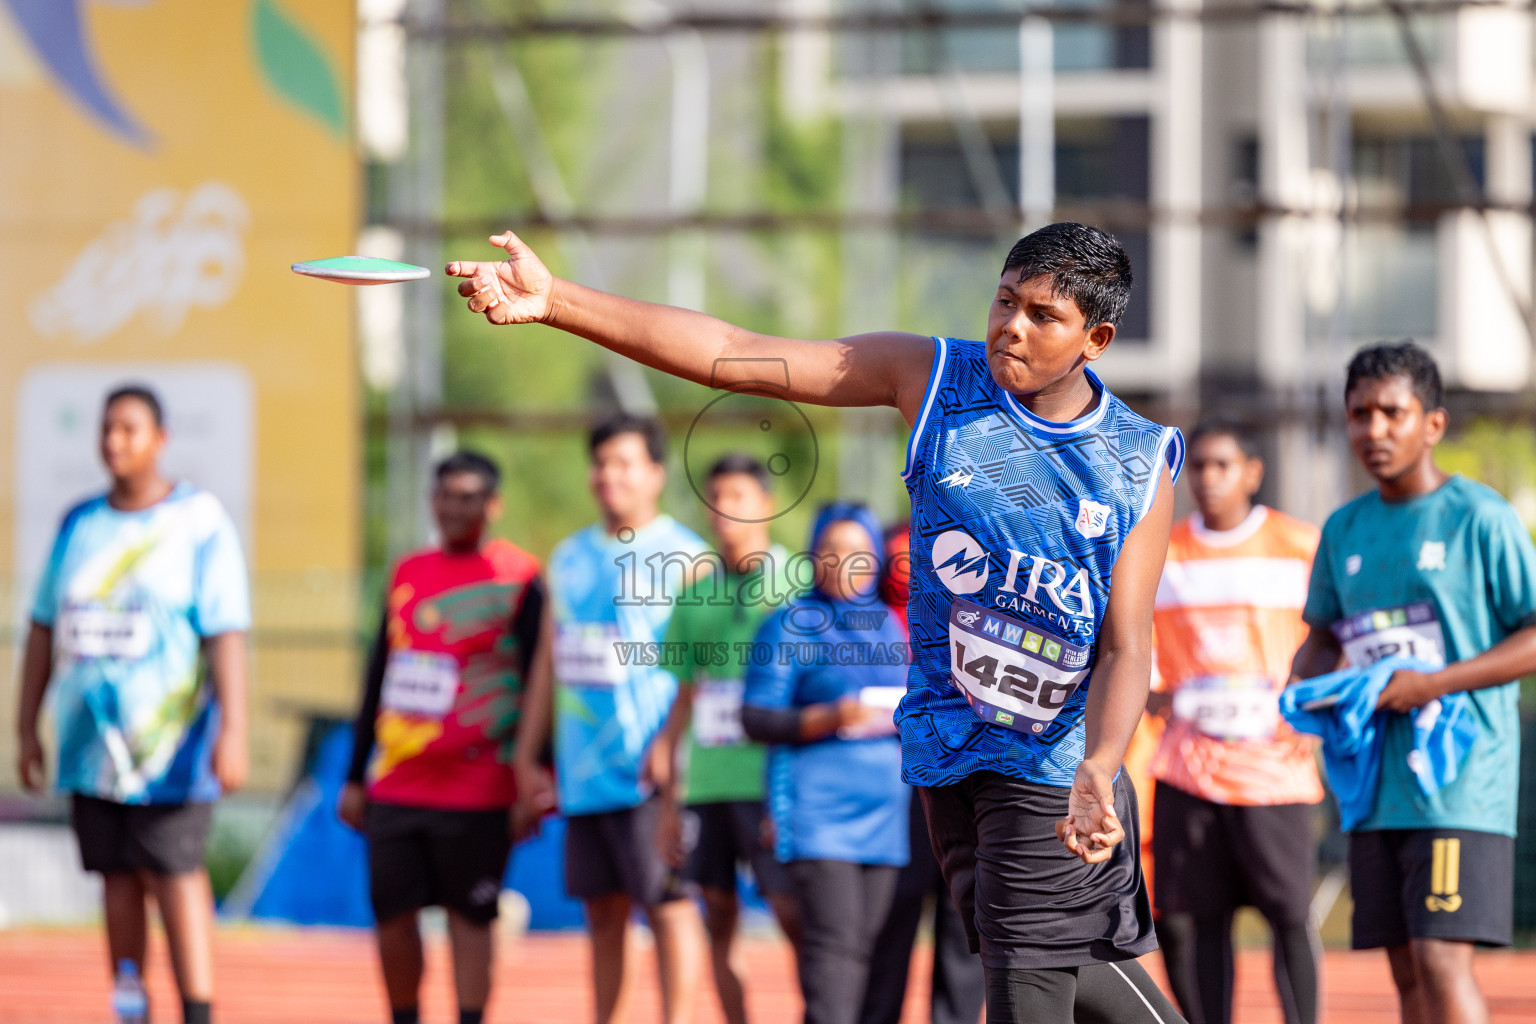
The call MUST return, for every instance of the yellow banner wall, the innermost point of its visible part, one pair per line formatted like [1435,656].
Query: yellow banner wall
[162,162]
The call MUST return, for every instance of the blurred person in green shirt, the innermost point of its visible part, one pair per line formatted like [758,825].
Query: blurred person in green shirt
[710,775]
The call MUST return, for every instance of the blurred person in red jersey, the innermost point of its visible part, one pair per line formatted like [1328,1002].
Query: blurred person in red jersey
[431,783]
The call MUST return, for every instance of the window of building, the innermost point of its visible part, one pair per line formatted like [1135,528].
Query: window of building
[1097,159]
[1392,270]
[1078,46]
[1243,193]
[1410,170]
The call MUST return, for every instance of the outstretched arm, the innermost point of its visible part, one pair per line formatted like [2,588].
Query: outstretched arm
[888,368]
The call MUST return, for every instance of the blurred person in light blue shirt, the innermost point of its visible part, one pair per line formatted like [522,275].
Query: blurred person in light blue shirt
[602,689]
[144,585]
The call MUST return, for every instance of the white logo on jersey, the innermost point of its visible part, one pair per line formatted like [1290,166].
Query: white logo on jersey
[960,562]
[963,566]
[1351,565]
[1092,518]
[959,476]
[968,618]
[1432,555]
[1057,580]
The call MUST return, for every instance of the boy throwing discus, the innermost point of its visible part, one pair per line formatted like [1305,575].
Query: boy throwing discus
[1041,507]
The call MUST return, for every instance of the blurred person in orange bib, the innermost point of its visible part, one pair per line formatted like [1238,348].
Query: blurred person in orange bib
[1233,812]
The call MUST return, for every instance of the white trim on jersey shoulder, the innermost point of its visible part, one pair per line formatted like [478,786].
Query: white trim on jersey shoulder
[1175,453]
[1170,450]
[935,374]
[1087,421]
[1228,538]
[1234,582]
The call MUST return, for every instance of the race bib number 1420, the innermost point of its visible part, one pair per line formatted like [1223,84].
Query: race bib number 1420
[1012,673]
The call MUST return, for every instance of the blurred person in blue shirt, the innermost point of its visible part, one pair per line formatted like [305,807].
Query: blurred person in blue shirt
[827,671]
[144,585]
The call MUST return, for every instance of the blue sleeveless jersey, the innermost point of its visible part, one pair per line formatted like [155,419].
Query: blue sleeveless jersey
[1016,525]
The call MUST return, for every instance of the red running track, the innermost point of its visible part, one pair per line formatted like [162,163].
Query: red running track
[292,976]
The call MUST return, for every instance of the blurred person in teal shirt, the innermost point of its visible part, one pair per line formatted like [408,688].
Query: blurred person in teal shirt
[1439,568]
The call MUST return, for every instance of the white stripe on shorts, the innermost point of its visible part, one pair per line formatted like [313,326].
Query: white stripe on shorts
[1139,994]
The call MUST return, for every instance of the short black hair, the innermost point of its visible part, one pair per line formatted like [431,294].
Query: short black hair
[466,461]
[1085,264]
[139,393]
[740,463]
[1240,435]
[648,427]
[1399,359]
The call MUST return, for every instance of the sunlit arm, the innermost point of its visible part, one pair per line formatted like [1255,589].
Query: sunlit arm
[229,670]
[1504,662]
[661,759]
[1122,671]
[867,370]
[1122,677]
[535,786]
[1318,655]
[36,669]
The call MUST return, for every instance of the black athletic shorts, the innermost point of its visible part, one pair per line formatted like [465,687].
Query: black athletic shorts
[731,833]
[163,839]
[1026,901]
[615,852]
[428,857]
[1441,883]
[1213,858]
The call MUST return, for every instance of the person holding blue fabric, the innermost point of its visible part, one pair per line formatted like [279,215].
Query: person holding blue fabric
[826,673]
[143,582]
[598,684]
[1440,569]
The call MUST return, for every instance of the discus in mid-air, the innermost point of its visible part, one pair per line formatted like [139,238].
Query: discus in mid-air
[361,270]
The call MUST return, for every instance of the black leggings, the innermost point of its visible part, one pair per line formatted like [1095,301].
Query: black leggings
[1114,993]
[958,987]
[842,908]
[1200,960]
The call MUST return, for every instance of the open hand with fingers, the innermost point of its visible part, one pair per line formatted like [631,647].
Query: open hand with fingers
[516,290]
[1091,828]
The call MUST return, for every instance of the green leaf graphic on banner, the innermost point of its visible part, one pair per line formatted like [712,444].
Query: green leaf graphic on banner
[295,65]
